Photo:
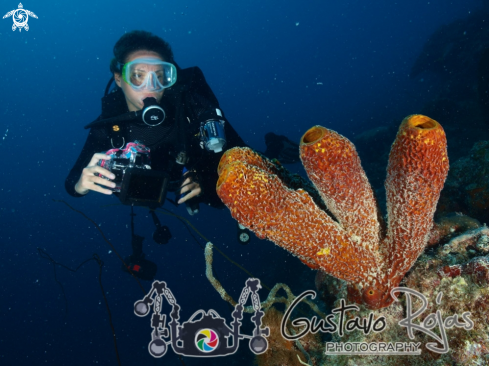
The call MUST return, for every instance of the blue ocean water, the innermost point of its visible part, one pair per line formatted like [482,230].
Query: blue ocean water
[279,66]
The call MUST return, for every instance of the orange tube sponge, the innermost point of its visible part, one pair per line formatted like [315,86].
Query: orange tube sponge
[418,166]
[354,248]
[260,201]
[245,156]
[333,165]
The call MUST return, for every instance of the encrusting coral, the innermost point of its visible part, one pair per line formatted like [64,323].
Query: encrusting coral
[457,270]
[284,352]
[355,246]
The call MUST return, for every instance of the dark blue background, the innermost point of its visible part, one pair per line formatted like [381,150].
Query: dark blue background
[265,61]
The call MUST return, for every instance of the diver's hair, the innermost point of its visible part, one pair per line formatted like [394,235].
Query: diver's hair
[136,41]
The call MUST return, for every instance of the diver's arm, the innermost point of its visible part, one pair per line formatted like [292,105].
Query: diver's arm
[96,142]
[90,179]
[191,186]
[202,104]
[207,168]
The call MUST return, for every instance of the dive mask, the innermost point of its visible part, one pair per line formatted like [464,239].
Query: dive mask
[149,74]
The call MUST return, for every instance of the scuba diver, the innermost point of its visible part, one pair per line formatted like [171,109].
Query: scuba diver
[161,129]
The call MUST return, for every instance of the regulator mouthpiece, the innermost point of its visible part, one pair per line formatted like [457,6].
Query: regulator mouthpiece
[153,115]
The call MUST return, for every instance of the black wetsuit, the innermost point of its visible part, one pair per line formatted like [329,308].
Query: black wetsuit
[187,103]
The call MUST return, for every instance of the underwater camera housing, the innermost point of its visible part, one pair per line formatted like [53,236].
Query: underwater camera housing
[135,182]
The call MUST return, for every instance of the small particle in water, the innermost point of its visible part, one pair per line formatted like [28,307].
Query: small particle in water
[297,24]
[319,83]
[110,251]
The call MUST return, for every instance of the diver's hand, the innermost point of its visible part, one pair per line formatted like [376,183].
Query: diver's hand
[88,178]
[189,185]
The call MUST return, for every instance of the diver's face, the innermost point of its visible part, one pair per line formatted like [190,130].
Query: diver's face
[135,98]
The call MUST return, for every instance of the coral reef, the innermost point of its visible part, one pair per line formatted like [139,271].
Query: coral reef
[467,186]
[449,225]
[458,270]
[282,352]
[356,247]
[456,265]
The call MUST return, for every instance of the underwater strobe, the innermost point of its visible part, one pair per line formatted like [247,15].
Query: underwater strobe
[208,336]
